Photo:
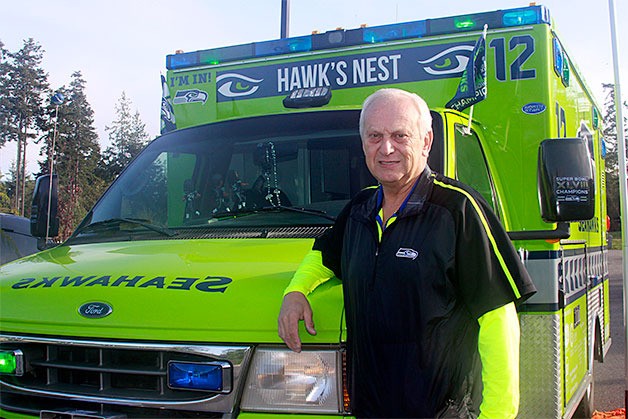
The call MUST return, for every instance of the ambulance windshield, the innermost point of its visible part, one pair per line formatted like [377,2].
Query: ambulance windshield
[254,171]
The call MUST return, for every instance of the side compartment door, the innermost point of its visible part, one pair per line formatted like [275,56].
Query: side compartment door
[574,319]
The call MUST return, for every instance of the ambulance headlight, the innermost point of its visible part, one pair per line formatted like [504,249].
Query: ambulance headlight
[280,380]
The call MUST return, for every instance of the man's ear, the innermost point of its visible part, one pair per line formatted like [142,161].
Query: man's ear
[427,142]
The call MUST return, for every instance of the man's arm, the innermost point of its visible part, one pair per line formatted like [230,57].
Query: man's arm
[498,344]
[310,274]
[295,307]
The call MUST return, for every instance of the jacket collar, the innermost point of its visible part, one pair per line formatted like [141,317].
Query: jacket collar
[419,194]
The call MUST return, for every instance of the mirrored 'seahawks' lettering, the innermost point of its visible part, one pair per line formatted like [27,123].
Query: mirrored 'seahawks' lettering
[206,284]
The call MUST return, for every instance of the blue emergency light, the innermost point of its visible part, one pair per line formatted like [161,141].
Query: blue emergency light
[201,376]
[342,38]
[521,17]
[561,62]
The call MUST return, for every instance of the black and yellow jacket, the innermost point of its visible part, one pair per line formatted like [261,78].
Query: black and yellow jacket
[416,293]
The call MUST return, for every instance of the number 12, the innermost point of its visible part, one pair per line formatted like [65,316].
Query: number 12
[516,73]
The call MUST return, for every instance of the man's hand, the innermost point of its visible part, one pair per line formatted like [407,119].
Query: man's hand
[295,307]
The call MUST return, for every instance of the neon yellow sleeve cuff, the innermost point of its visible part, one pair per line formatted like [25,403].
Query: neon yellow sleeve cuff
[310,274]
[498,345]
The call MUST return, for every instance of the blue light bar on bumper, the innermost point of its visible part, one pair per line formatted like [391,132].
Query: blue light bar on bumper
[201,376]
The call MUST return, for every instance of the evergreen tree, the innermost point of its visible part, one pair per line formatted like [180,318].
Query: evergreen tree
[127,135]
[612,156]
[77,153]
[7,192]
[23,84]
[7,189]
[5,201]
[4,119]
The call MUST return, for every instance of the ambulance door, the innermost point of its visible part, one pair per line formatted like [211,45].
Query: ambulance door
[466,160]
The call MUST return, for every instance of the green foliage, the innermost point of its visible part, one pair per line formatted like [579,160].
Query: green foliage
[5,201]
[4,117]
[8,190]
[26,113]
[127,135]
[612,156]
[76,151]
[23,84]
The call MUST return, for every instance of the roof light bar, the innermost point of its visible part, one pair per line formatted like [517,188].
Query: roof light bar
[521,17]
[464,23]
[393,32]
[342,38]
[283,46]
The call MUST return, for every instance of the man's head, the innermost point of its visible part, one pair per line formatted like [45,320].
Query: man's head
[396,131]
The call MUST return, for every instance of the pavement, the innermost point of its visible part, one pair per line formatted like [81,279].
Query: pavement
[609,376]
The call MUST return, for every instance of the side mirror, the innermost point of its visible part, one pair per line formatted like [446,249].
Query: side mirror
[566,180]
[40,217]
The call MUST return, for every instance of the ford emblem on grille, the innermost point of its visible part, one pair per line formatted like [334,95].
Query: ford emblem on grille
[95,310]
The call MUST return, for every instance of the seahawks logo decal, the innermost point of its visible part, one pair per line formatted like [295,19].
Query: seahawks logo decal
[236,85]
[190,96]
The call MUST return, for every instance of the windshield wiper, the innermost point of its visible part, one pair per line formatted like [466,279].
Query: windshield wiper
[309,211]
[135,221]
[277,208]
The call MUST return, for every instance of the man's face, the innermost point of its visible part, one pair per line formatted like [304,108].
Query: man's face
[395,151]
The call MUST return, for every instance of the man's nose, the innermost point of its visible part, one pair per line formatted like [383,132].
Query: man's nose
[387,146]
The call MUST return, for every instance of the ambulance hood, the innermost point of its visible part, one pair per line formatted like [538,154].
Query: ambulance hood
[175,290]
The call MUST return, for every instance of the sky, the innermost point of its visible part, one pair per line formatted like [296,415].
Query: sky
[121,45]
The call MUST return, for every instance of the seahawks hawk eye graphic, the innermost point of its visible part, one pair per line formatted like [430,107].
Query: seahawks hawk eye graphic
[451,61]
[236,85]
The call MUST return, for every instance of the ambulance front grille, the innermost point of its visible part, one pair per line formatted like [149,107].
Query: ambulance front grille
[120,376]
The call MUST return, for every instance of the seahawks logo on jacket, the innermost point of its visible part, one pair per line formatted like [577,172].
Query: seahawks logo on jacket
[407,253]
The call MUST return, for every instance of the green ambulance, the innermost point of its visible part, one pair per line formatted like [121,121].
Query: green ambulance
[164,301]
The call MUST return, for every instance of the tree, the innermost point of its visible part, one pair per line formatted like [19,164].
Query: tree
[4,119]
[23,84]
[5,200]
[77,153]
[612,156]
[127,135]
[7,192]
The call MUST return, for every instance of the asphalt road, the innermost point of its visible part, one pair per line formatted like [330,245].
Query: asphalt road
[609,376]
